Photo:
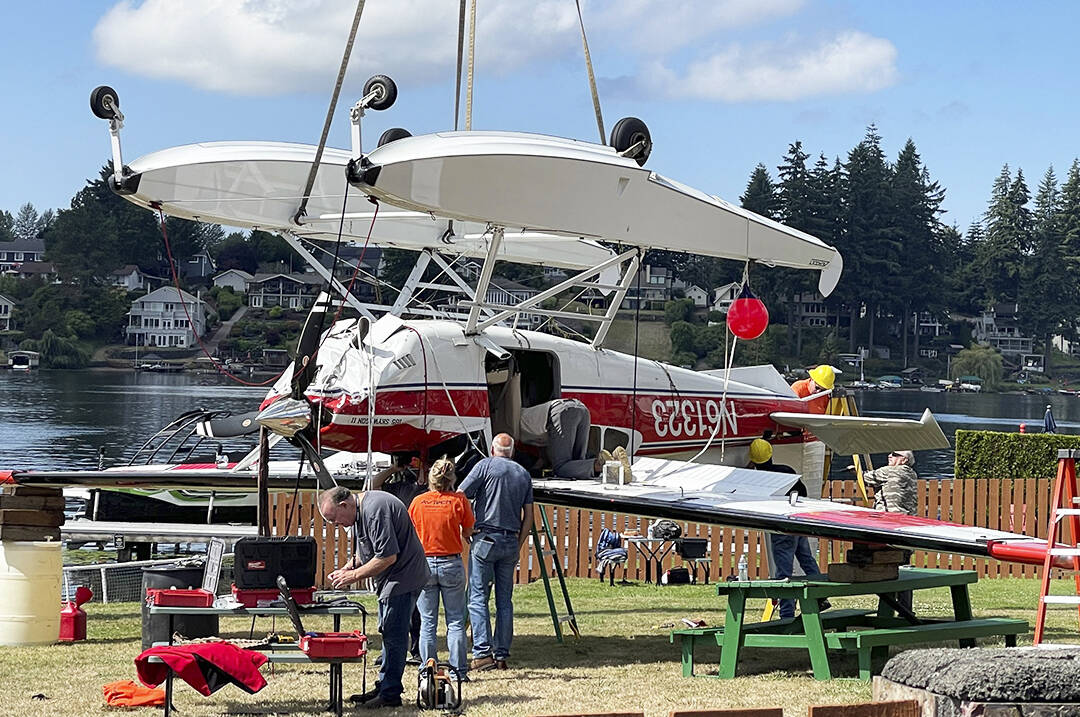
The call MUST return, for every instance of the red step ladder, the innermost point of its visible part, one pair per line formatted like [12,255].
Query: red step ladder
[1064,508]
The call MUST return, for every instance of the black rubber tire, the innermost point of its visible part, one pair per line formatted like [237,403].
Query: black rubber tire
[392,135]
[102,107]
[629,131]
[388,88]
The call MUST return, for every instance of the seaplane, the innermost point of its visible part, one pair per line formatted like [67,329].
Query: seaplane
[427,377]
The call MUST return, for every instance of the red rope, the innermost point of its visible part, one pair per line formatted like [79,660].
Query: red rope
[191,324]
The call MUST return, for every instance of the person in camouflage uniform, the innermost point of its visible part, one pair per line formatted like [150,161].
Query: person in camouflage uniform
[896,487]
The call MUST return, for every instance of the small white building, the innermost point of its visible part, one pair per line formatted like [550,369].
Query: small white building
[235,279]
[7,306]
[699,296]
[161,318]
[724,295]
[128,276]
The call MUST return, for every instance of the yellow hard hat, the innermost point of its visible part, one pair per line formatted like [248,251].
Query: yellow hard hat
[760,451]
[824,376]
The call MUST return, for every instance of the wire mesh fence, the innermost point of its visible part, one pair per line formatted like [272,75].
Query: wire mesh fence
[123,582]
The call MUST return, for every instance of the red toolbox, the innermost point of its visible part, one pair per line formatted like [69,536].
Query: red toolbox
[251,597]
[174,597]
[334,644]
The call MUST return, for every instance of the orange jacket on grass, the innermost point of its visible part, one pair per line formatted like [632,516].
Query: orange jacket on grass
[439,518]
[125,693]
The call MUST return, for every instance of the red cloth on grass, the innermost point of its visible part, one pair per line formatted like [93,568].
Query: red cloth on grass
[206,666]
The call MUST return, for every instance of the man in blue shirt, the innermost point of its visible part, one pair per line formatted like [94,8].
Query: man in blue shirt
[387,549]
[502,498]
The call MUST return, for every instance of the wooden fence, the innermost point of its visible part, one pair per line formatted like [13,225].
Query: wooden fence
[1020,506]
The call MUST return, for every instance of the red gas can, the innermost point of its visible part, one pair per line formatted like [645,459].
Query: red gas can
[73,617]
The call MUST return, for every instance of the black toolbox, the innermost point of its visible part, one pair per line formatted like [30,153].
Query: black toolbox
[258,561]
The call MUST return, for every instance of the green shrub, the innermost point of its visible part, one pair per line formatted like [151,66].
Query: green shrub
[993,454]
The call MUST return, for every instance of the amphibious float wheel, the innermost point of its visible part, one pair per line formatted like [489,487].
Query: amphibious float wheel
[104,102]
[385,87]
[629,131]
[393,135]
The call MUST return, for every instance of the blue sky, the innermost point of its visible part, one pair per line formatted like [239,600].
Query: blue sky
[722,84]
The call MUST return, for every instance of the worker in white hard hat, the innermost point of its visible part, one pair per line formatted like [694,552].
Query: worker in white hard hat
[822,378]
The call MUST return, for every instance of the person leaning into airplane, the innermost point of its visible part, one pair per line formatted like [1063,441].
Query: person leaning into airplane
[786,549]
[443,519]
[502,498]
[822,378]
[562,427]
[386,548]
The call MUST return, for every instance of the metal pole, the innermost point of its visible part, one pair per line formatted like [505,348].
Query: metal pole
[262,484]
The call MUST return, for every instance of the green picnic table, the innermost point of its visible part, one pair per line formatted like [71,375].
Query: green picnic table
[866,632]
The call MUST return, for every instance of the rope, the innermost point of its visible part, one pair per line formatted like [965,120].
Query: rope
[198,339]
[330,112]
[460,56]
[592,77]
[472,64]
[637,322]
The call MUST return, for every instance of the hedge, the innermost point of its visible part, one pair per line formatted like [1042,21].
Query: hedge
[993,454]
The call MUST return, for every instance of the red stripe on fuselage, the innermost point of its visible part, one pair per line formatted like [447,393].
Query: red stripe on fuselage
[667,423]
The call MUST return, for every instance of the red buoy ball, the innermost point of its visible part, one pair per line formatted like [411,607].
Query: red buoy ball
[747,318]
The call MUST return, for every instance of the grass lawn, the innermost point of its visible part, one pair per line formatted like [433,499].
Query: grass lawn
[623,659]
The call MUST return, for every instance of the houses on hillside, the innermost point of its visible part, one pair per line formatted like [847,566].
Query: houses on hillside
[7,306]
[14,254]
[166,317]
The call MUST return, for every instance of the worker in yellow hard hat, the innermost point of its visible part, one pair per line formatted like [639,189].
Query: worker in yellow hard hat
[785,550]
[761,458]
[822,378]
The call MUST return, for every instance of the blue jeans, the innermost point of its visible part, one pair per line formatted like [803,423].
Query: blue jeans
[395,615]
[785,550]
[498,567]
[448,580]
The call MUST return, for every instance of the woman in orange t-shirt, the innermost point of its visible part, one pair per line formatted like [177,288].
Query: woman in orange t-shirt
[443,519]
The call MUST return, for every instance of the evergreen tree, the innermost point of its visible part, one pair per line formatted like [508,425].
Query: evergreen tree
[796,211]
[968,284]
[1048,295]
[916,208]
[869,224]
[7,226]
[1068,227]
[1008,237]
[25,227]
[761,196]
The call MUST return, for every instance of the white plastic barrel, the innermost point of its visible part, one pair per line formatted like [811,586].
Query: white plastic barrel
[30,574]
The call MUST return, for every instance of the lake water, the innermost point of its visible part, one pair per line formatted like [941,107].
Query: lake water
[59,419]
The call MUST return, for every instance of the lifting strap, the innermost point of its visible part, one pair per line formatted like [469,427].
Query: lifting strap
[298,217]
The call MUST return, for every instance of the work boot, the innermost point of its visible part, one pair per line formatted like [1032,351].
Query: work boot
[621,456]
[482,664]
[369,695]
[378,702]
[501,665]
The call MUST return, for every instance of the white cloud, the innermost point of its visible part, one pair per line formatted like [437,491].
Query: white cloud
[272,47]
[852,62]
[266,47]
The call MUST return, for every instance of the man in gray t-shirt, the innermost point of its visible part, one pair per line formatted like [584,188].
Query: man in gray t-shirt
[387,549]
[502,497]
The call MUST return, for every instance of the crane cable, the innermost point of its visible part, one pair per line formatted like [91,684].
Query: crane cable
[298,217]
[592,77]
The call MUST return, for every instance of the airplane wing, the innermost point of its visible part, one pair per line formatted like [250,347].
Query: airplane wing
[515,179]
[255,185]
[185,476]
[850,435]
[757,500]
